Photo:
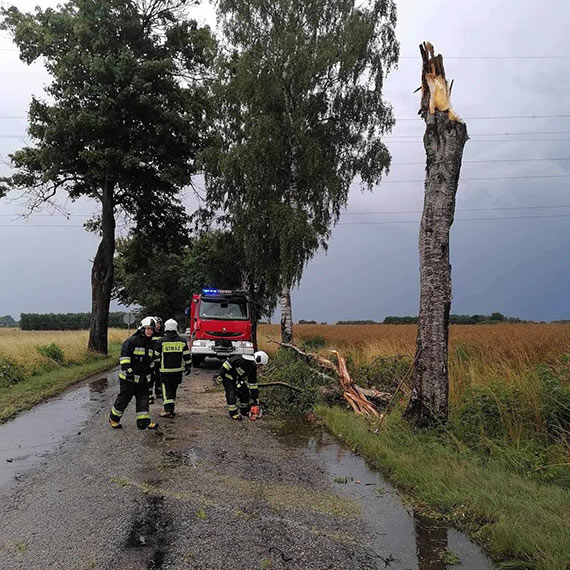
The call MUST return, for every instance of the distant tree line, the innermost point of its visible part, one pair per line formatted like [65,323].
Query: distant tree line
[364,322]
[493,318]
[65,321]
[8,321]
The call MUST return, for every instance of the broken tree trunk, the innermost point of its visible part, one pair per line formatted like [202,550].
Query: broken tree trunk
[444,139]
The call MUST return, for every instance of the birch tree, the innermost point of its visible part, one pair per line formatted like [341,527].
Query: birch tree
[301,116]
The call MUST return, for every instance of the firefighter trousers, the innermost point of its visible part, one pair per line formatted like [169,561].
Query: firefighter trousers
[235,390]
[154,383]
[169,383]
[127,390]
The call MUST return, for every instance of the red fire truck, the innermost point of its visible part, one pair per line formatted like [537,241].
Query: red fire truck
[220,325]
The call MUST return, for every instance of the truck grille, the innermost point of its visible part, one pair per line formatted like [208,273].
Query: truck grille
[222,334]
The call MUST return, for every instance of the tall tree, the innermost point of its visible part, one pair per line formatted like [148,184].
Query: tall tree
[301,115]
[444,139]
[119,126]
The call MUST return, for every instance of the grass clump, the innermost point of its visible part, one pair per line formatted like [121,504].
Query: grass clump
[10,372]
[513,516]
[52,351]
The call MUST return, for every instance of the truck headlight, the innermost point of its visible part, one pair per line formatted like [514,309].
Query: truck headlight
[246,344]
[199,343]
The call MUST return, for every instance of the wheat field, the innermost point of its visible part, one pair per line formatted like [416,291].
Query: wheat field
[478,354]
[21,346]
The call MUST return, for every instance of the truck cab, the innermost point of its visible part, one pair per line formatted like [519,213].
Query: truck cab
[220,325]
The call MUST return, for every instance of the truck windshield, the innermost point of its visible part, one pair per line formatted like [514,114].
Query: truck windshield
[223,310]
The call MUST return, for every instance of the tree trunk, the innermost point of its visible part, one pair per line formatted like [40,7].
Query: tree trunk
[286,316]
[444,139]
[102,276]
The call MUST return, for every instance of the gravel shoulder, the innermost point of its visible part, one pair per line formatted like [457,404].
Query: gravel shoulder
[203,493]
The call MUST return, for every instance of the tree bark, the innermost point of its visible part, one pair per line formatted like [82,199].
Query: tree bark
[444,139]
[286,316]
[102,275]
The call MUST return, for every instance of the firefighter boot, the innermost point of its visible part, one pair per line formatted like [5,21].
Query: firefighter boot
[152,425]
[114,424]
[235,415]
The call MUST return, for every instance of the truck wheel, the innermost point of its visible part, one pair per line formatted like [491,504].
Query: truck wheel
[196,361]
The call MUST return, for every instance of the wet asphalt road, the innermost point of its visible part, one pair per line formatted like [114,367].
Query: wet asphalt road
[203,493]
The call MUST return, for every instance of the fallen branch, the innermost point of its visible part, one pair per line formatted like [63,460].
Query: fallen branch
[355,398]
[278,383]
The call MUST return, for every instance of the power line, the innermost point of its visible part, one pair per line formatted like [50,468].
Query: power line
[486,178]
[498,161]
[418,118]
[457,210]
[456,220]
[384,222]
[494,134]
[418,57]
[471,141]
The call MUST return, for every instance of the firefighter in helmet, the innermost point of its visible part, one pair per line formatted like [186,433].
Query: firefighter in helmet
[173,358]
[154,390]
[238,375]
[137,361]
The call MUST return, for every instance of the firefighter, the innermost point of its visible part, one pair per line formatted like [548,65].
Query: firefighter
[172,359]
[154,390]
[137,361]
[238,374]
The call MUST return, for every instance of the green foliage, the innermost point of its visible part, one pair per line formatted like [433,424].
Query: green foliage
[8,321]
[290,368]
[313,343]
[65,321]
[356,322]
[162,280]
[383,373]
[491,319]
[117,116]
[52,351]
[10,372]
[301,114]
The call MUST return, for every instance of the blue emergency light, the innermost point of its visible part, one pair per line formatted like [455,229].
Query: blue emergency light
[210,291]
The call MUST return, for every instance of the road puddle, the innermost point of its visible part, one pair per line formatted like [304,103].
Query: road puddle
[33,434]
[401,538]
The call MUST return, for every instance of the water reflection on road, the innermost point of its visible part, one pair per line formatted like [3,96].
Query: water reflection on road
[26,439]
[401,538]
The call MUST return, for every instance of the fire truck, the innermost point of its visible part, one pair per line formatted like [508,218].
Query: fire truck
[220,325]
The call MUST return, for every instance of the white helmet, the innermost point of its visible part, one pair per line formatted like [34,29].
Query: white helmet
[261,357]
[147,322]
[171,325]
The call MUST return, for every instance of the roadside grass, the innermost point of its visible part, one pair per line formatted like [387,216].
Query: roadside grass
[517,519]
[35,366]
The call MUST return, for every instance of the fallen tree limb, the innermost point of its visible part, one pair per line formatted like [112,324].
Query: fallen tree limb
[278,383]
[355,398]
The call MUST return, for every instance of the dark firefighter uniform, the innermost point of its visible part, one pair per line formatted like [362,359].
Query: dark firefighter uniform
[239,377]
[154,383]
[137,361]
[172,359]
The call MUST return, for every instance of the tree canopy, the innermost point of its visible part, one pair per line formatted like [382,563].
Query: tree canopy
[301,114]
[124,118]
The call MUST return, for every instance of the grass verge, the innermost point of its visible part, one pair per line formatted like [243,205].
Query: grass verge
[34,389]
[519,521]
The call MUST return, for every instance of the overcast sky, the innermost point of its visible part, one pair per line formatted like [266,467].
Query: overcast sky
[510,60]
